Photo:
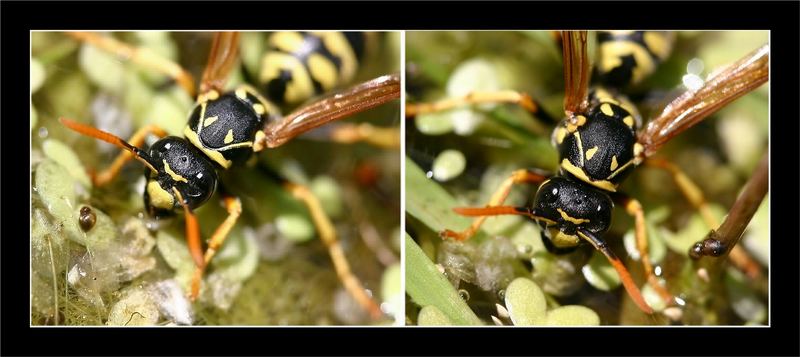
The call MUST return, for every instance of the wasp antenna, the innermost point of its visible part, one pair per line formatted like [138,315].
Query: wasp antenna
[109,138]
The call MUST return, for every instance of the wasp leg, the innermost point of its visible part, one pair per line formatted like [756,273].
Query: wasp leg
[105,176]
[141,56]
[328,235]
[634,208]
[694,195]
[625,276]
[234,207]
[348,133]
[499,196]
[505,96]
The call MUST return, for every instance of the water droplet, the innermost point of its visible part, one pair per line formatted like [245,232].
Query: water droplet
[695,66]
[429,174]
[501,294]
[527,249]
[43,132]
[463,294]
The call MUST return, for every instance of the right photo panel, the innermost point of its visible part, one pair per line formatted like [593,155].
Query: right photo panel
[587,178]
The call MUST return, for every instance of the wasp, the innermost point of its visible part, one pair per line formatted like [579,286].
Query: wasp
[601,140]
[225,128]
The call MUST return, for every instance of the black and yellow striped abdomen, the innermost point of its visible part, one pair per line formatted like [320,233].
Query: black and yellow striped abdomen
[628,57]
[301,65]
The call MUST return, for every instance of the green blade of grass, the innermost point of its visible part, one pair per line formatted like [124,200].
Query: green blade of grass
[431,204]
[427,286]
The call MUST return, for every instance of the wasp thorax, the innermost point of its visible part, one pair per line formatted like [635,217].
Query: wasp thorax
[182,166]
[601,148]
[225,126]
[568,205]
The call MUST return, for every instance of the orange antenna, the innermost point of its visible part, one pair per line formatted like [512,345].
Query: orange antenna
[109,138]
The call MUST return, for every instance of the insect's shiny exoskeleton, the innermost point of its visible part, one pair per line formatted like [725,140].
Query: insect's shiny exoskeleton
[300,65]
[223,129]
[563,206]
[627,57]
[600,147]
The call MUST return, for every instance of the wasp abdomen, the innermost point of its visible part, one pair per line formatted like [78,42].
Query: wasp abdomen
[628,57]
[300,65]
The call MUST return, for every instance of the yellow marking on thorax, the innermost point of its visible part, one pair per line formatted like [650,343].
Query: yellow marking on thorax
[208,121]
[172,174]
[561,133]
[628,120]
[590,153]
[159,197]
[580,121]
[259,143]
[263,106]
[228,137]
[580,146]
[259,108]
[581,175]
[606,109]
[323,70]
[565,216]
[216,156]
[621,169]
[210,95]
[614,163]
[241,93]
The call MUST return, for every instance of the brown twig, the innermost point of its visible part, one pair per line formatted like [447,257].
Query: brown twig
[720,242]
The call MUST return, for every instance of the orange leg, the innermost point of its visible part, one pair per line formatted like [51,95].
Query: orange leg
[634,208]
[499,196]
[234,207]
[504,96]
[694,195]
[625,276]
[141,56]
[347,133]
[137,140]
[328,235]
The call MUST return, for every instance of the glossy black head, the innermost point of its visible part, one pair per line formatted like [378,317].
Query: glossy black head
[568,205]
[182,166]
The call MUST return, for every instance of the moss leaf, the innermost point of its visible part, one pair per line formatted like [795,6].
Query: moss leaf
[431,316]
[572,315]
[525,302]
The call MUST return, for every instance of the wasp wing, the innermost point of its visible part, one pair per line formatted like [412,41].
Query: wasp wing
[354,100]
[221,60]
[692,106]
[576,71]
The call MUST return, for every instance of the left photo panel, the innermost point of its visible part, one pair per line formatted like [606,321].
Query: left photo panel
[215,178]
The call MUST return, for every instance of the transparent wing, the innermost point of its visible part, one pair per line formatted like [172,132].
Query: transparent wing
[354,100]
[221,60]
[692,106]
[576,71]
